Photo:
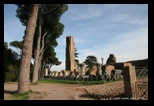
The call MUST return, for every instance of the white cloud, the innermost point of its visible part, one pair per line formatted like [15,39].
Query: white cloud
[87,52]
[120,17]
[130,46]
[127,46]
[129,18]
[112,6]
[78,41]
[84,12]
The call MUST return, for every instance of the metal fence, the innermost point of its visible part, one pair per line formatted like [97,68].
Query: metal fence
[141,86]
[106,76]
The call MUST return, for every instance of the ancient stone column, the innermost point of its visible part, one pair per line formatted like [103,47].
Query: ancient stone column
[70,51]
[83,69]
[99,69]
[46,71]
[129,76]
[102,61]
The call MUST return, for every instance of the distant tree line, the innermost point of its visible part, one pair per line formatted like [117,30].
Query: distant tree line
[12,64]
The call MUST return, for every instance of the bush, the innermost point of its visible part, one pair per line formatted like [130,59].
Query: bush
[11,73]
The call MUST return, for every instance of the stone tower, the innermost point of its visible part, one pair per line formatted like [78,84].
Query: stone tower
[70,51]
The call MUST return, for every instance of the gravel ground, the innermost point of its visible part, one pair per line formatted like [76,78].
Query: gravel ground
[43,91]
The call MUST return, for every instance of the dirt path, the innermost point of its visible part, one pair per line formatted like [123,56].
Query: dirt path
[56,91]
[59,91]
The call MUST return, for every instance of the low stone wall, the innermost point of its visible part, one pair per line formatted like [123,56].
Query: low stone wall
[121,65]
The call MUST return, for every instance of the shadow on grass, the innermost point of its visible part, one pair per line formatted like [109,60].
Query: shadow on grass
[9,92]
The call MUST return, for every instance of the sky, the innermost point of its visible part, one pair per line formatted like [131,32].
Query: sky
[98,29]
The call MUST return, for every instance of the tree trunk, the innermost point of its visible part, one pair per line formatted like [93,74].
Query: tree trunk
[37,53]
[43,71]
[40,62]
[40,71]
[41,54]
[24,75]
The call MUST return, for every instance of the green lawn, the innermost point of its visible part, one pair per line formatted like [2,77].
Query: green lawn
[77,82]
[24,96]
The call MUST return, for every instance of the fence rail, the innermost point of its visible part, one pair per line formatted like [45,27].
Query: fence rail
[105,77]
[141,86]
[140,91]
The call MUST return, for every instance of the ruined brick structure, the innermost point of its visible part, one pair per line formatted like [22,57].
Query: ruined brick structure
[70,51]
[129,75]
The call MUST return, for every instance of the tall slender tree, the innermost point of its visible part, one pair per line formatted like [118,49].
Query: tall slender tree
[24,75]
[51,29]
[37,50]
[47,31]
